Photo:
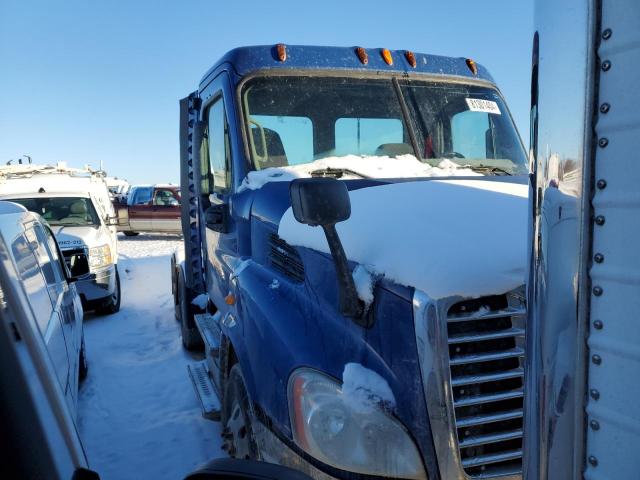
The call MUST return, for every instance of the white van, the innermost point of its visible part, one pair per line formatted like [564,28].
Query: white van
[77,206]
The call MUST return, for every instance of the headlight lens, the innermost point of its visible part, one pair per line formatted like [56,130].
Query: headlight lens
[333,428]
[100,256]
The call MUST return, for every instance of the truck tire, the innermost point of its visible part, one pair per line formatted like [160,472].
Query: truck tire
[237,415]
[83,366]
[175,292]
[131,234]
[191,339]
[113,304]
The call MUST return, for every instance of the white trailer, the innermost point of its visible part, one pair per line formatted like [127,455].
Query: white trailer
[582,418]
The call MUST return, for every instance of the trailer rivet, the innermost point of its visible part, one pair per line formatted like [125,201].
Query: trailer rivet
[601,184]
[606,34]
[597,291]
[598,257]
[593,461]
[600,220]
[596,359]
[595,394]
[597,324]
[594,425]
[603,142]
[604,108]
[606,65]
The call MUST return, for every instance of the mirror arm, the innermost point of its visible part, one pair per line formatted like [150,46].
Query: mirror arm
[349,302]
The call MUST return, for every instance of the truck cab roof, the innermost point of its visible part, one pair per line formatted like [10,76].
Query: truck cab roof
[247,60]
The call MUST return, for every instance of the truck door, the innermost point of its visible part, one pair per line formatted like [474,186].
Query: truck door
[141,209]
[215,158]
[42,288]
[166,210]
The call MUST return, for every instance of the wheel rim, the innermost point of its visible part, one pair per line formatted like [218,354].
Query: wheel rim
[238,428]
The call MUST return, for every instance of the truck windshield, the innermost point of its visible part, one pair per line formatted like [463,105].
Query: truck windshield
[62,210]
[294,120]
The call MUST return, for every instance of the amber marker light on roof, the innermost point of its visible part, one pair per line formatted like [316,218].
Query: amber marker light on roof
[472,66]
[282,52]
[362,55]
[386,55]
[411,58]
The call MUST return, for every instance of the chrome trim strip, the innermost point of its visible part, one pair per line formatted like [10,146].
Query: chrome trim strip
[431,338]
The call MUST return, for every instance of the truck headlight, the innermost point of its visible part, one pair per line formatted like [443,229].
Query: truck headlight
[100,256]
[334,429]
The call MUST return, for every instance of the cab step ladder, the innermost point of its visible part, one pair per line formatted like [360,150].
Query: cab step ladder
[200,372]
[205,391]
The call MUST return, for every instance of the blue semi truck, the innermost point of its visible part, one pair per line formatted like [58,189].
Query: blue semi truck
[354,258]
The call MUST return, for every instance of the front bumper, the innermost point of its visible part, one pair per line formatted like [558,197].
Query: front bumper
[97,286]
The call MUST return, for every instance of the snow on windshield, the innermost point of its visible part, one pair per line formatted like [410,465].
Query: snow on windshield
[402,166]
[444,237]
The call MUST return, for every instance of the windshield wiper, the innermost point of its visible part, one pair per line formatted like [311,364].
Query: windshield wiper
[487,169]
[336,172]
[407,118]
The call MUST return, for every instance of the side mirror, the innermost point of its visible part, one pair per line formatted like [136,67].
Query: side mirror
[320,201]
[216,217]
[112,221]
[325,202]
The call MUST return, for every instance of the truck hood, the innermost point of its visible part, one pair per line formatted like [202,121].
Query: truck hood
[444,237]
[79,236]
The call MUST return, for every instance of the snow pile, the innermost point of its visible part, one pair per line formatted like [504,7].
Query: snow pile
[364,284]
[402,166]
[149,245]
[444,237]
[201,301]
[365,389]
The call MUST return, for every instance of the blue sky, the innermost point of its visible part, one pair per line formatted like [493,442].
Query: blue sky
[86,81]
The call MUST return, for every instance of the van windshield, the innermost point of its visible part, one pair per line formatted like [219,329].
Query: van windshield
[296,120]
[62,210]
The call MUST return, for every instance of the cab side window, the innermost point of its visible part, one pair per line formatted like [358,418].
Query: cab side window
[32,278]
[49,263]
[165,198]
[217,177]
[141,196]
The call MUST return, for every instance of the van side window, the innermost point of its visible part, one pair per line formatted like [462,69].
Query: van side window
[32,279]
[218,149]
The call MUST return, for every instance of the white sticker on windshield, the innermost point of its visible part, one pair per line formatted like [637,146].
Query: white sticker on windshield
[480,105]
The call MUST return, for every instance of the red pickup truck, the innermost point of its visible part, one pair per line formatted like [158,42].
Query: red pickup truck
[150,208]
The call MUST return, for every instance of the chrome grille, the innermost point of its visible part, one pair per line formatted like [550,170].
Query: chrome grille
[485,337]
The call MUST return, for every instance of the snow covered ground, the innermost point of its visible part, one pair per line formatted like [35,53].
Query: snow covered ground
[138,414]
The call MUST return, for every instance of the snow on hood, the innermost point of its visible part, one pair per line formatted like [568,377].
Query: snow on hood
[78,236]
[402,166]
[444,237]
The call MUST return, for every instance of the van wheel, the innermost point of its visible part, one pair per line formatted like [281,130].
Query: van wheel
[191,339]
[239,440]
[131,234]
[113,304]
[83,366]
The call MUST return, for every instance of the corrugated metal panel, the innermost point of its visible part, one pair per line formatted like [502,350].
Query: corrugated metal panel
[613,436]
